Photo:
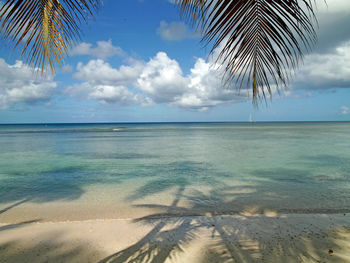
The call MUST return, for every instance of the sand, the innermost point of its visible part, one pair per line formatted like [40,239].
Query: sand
[245,237]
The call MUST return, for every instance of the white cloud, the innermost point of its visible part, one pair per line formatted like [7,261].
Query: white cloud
[324,71]
[116,94]
[106,84]
[103,50]
[175,31]
[101,72]
[345,110]
[18,84]
[205,88]
[160,80]
[163,80]
[112,94]
[333,19]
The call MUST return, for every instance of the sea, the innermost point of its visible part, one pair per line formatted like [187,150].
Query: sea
[133,170]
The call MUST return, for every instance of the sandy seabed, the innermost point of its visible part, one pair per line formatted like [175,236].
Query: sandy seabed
[211,238]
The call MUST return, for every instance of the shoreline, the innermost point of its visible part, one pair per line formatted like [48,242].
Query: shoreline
[71,212]
[195,216]
[276,216]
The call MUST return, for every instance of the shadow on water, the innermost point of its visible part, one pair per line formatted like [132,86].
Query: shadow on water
[284,190]
[56,184]
[60,183]
[342,164]
[177,174]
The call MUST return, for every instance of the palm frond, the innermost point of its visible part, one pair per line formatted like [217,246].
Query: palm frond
[44,28]
[261,41]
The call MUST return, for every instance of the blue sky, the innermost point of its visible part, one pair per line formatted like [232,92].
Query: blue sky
[139,62]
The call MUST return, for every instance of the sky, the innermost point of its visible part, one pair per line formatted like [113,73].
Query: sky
[138,61]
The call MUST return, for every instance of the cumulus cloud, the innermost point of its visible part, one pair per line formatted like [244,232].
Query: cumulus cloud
[113,94]
[106,84]
[159,80]
[205,88]
[326,70]
[162,79]
[18,85]
[103,50]
[333,19]
[101,72]
[175,31]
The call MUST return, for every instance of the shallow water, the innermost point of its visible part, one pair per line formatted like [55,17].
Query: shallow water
[182,168]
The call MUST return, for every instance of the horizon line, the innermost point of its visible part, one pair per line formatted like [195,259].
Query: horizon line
[167,122]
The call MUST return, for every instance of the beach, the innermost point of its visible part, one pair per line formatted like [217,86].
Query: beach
[259,238]
[178,192]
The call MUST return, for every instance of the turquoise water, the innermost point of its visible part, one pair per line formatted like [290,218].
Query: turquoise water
[189,168]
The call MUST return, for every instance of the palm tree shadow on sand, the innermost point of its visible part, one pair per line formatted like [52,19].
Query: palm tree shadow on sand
[245,234]
[47,249]
[152,247]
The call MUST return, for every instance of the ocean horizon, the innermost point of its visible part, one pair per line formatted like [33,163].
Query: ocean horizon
[167,122]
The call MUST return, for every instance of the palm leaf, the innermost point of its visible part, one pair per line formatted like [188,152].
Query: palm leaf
[44,28]
[261,41]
